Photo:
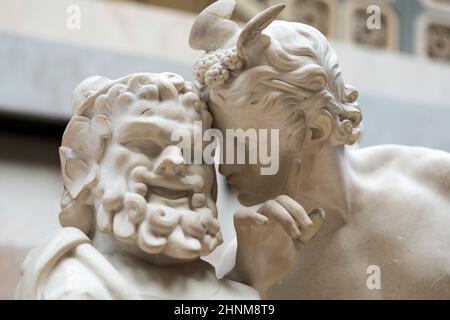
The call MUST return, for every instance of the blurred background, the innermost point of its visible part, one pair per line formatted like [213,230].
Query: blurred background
[401,69]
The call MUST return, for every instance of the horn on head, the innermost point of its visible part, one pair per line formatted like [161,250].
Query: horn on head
[212,28]
[251,36]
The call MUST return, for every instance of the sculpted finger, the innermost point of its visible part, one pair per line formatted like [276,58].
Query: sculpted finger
[276,213]
[296,210]
[316,216]
[246,217]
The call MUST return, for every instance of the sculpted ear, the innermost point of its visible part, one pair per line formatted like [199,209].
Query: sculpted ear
[100,131]
[77,174]
[320,126]
[252,41]
[212,28]
[81,148]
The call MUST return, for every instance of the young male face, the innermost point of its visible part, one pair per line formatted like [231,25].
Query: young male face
[247,180]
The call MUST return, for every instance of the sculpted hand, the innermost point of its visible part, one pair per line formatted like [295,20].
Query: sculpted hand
[287,213]
[268,239]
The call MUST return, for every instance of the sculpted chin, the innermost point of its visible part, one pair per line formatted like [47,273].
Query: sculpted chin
[387,206]
[137,217]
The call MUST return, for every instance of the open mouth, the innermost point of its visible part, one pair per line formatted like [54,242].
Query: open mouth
[171,194]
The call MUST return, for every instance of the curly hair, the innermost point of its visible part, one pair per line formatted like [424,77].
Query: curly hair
[299,73]
[97,103]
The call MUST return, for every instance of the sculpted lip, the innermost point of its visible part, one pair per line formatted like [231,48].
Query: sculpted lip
[157,182]
[174,189]
[171,194]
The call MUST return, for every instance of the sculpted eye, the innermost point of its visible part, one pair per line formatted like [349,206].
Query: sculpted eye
[147,147]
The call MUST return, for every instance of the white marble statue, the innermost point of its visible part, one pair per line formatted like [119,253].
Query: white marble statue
[386,233]
[150,215]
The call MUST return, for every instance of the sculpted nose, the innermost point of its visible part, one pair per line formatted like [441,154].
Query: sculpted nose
[171,162]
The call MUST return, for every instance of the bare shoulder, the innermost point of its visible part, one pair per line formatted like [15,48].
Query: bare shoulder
[423,165]
[409,157]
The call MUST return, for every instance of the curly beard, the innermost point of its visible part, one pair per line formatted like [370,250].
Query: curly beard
[184,228]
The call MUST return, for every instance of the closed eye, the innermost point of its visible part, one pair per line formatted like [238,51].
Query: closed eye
[148,147]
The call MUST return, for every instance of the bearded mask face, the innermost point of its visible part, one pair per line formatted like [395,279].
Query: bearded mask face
[144,193]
